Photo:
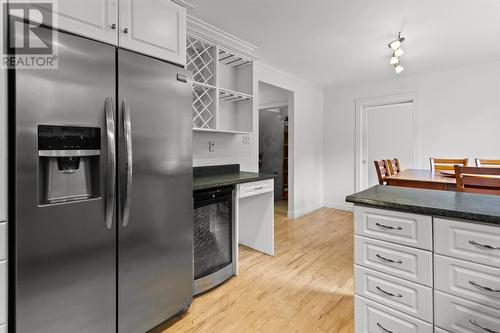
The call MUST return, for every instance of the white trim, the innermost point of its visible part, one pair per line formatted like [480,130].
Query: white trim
[207,32]
[341,206]
[301,212]
[185,4]
[274,105]
[360,105]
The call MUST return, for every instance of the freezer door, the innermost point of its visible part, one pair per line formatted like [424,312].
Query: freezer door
[64,257]
[155,232]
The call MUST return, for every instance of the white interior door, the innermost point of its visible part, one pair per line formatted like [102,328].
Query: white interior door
[388,133]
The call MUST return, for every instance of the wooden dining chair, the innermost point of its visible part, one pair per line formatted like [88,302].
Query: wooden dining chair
[394,166]
[382,171]
[478,180]
[447,163]
[487,163]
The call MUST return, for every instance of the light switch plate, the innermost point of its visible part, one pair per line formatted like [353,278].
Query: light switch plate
[211,146]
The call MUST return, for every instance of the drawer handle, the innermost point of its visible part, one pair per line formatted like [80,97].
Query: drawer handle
[483,246]
[258,187]
[383,328]
[389,260]
[473,322]
[484,288]
[383,226]
[388,293]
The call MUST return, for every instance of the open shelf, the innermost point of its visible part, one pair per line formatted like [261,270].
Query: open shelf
[204,115]
[233,60]
[222,88]
[200,60]
[218,131]
[233,96]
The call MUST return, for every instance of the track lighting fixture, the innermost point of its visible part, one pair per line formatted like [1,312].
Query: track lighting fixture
[395,45]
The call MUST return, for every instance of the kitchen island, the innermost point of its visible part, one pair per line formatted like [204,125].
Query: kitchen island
[426,261]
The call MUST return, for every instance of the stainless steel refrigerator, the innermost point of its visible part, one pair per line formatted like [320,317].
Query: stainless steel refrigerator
[101,173]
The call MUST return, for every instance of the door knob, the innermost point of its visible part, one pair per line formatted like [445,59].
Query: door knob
[125,31]
[113,26]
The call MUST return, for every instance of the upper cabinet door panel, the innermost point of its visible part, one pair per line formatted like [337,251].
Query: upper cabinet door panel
[96,19]
[154,27]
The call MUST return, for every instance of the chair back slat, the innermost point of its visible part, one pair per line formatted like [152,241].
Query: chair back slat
[382,171]
[478,179]
[394,166]
[480,162]
[447,163]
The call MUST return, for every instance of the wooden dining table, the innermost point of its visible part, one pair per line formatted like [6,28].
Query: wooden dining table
[420,178]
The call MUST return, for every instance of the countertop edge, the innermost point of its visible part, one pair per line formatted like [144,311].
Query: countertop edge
[444,213]
[234,182]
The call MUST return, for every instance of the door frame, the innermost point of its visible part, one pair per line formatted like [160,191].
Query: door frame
[361,106]
[291,135]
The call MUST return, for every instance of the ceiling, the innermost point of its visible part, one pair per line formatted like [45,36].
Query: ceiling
[338,42]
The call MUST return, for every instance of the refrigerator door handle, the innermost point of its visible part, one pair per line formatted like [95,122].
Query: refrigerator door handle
[110,131]
[127,131]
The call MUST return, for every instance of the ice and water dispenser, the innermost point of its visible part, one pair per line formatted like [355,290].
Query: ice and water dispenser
[69,163]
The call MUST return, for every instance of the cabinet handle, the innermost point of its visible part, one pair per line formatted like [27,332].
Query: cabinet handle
[125,31]
[484,288]
[383,328]
[483,246]
[389,260]
[113,26]
[489,330]
[388,293]
[258,187]
[383,226]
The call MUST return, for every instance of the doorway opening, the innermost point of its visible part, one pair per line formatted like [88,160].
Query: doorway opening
[274,141]
[387,128]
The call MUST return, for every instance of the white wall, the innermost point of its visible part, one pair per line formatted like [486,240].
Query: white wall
[306,149]
[459,116]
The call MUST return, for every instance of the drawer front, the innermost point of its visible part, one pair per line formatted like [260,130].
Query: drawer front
[3,292]
[373,317]
[3,241]
[255,188]
[469,241]
[462,316]
[401,228]
[397,260]
[475,282]
[408,297]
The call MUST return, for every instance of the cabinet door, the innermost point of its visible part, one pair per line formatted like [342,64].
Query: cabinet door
[96,19]
[154,27]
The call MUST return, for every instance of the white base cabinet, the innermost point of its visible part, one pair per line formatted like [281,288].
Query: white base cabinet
[255,215]
[374,317]
[417,273]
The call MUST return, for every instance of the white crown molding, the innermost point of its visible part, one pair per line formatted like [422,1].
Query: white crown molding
[184,3]
[208,32]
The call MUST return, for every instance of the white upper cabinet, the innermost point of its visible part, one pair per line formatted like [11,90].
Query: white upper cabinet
[96,19]
[154,27]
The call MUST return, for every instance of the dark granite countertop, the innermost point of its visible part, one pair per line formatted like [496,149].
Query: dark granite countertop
[467,206]
[211,181]
[224,175]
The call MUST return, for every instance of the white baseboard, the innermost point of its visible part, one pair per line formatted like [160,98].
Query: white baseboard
[342,206]
[301,212]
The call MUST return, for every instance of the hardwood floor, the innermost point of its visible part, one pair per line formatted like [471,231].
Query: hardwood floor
[306,287]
